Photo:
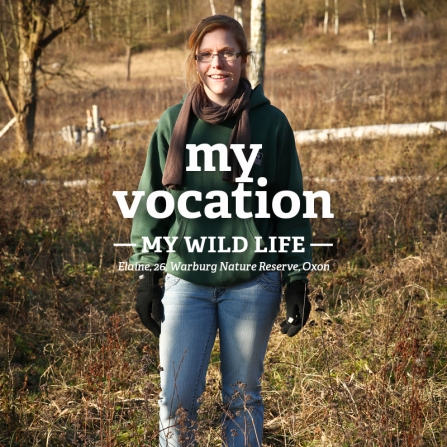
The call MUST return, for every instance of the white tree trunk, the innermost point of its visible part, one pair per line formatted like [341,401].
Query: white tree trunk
[8,126]
[368,23]
[168,18]
[390,39]
[98,14]
[91,25]
[326,16]
[238,12]
[375,131]
[257,25]
[336,18]
[377,22]
[148,15]
[402,10]
[213,9]
[128,61]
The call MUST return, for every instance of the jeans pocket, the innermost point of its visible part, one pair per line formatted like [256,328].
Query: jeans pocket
[170,281]
[270,281]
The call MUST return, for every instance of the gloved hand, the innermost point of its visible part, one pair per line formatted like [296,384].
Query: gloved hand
[297,308]
[149,294]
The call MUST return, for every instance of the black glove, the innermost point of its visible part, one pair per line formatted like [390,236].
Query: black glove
[149,295]
[297,308]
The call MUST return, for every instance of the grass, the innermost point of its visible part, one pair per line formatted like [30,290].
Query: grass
[370,367]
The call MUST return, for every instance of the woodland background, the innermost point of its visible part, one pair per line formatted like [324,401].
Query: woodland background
[76,366]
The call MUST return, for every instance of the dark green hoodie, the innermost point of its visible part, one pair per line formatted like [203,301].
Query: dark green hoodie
[278,164]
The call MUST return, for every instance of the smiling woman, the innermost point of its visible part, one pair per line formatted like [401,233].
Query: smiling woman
[219,66]
[222,122]
[201,41]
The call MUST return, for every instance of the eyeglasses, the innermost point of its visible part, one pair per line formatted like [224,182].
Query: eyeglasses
[224,56]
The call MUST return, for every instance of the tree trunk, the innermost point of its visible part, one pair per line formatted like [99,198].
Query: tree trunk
[168,18]
[238,11]
[257,25]
[128,60]
[326,16]
[377,22]
[390,5]
[336,19]
[368,23]
[402,10]
[29,19]
[91,25]
[29,54]
[98,14]
[213,8]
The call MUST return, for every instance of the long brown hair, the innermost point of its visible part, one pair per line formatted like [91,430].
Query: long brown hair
[208,25]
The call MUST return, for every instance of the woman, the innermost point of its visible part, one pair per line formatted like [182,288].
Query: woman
[218,253]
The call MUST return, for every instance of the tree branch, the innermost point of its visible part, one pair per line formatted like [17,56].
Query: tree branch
[80,13]
[7,94]
[14,23]
[5,53]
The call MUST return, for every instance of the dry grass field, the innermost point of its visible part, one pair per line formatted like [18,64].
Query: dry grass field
[370,368]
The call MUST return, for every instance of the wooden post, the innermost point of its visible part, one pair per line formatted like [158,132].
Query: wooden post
[77,135]
[90,129]
[96,123]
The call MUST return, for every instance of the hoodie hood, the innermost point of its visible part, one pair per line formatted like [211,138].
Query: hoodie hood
[257,97]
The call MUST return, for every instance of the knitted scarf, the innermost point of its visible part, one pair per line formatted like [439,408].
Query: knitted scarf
[197,102]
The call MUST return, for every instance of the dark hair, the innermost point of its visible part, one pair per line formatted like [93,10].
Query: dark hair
[208,25]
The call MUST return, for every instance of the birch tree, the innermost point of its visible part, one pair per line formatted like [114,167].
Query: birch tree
[326,16]
[369,9]
[390,7]
[257,25]
[132,25]
[402,10]
[238,11]
[213,8]
[26,30]
[336,18]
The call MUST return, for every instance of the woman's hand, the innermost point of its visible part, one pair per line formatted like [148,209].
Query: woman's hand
[297,308]
[149,295]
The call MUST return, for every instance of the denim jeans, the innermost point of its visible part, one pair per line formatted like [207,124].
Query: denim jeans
[244,315]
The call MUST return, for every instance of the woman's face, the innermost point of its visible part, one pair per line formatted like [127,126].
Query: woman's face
[220,78]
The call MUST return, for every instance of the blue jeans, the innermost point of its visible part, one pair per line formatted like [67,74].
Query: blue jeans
[244,315]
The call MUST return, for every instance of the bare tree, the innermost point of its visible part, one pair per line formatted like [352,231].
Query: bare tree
[213,8]
[257,26]
[238,11]
[390,6]
[168,18]
[131,21]
[377,21]
[26,30]
[402,10]
[326,16]
[367,15]
[336,18]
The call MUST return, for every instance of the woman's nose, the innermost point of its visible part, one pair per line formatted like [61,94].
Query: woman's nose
[216,62]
